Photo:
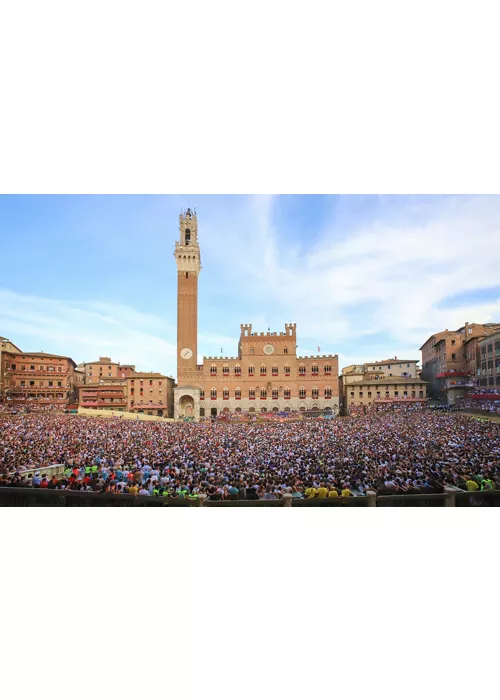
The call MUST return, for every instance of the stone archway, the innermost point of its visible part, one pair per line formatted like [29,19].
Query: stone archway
[186,406]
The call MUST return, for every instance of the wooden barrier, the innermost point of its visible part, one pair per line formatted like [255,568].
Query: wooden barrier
[36,497]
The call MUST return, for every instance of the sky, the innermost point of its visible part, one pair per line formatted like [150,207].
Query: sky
[365,276]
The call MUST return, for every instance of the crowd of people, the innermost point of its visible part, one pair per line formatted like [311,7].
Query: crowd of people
[401,451]
[477,404]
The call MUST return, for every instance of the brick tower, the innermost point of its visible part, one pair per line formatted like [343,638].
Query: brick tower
[187,257]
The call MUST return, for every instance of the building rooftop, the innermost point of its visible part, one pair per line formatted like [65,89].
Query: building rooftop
[392,380]
[149,375]
[45,354]
[436,336]
[102,361]
[391,360]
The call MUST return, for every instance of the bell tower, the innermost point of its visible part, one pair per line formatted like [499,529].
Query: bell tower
[187,257]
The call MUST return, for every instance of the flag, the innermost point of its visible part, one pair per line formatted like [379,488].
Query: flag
[319,349]
[221,351]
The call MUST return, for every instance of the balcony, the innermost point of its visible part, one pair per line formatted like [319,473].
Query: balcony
[103,404]
[37,372]
[454,373]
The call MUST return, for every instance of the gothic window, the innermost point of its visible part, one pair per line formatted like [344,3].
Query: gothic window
[275,394]
[251,351]
[315,392]
[328,392]
[328,369]
[287,370]
[251,370]
[275,370]
[285,351]
[237,393]
[287,393]
[237,371]
[225,394]
[213,394]
[302,370]
[263,393]
[188,236]
[302,393]
[251,393]
[225,371]
[314,369]
[263,370]
[213,370]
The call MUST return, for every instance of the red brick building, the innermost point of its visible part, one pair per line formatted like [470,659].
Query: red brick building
[450,360]
[37,378]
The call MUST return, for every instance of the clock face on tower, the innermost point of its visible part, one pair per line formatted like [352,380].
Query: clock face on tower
[268,349]
[186,353]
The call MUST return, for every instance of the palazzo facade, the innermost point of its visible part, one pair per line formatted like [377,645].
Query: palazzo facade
[265,376]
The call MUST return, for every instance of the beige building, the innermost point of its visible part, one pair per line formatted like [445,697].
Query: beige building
[265,375]
[392,380]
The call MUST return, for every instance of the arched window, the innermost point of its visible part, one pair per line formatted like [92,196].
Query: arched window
[263,393]
[188,236]
[263,409]
[251,394]
[225,370]
[302,370]
[202,394]
[202,413]
[275,394]
[315,370]
[287,370]
[213,370]
[302,393]
[213,394]
[251,370]
[263,370]
[286,393]
[237,393]
[237,371]
[328,392]
[275,370]
[315,392]
[328,369]
[225,393]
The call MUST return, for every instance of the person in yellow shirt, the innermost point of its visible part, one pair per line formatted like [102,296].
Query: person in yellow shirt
[345,492]
[471,484]
[332,493]
[310,492]
[322,491]
[134,490]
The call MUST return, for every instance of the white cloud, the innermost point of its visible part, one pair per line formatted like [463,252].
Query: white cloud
[386,278]
[87,330]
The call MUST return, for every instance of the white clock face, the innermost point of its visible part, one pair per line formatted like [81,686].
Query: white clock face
[186,353]
[268,349]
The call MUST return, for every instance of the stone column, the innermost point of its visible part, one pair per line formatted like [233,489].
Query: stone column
[372,498]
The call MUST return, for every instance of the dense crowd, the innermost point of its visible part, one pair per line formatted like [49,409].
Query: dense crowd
[490,405]
[400,451]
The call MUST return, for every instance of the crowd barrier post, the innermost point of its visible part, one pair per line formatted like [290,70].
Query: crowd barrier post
[287,500]
[372,499]
[449,500]
[202,497]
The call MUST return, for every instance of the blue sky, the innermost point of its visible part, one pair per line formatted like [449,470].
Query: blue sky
[364,276]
